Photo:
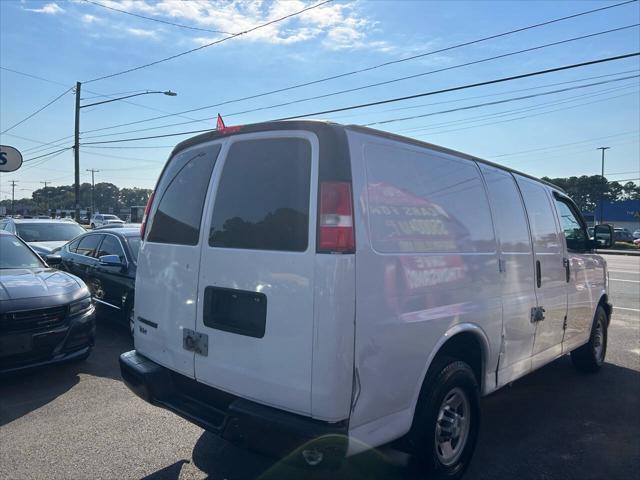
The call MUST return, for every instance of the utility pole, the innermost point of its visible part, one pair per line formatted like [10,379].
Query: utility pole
[47,193]
[93,172]
[603,180]
[76,152]
[13,191]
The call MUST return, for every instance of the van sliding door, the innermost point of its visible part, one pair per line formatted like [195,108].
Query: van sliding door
[551,287]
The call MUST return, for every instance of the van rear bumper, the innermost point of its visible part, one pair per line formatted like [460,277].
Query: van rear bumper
[243,422]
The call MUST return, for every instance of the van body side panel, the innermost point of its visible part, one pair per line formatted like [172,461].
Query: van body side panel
[333,338]
[167,272]
[517,275]
[425,262]
[252,253]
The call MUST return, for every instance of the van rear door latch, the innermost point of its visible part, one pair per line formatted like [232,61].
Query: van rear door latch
[193,341]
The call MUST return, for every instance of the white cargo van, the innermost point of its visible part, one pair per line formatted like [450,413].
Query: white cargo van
[306,280]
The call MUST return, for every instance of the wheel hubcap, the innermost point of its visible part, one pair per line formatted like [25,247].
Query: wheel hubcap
[452,426]
[598,341]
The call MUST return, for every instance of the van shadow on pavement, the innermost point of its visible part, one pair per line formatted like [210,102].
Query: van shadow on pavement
[23,392]
[554,423]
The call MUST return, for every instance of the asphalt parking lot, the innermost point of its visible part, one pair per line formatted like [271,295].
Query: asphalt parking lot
[79,421]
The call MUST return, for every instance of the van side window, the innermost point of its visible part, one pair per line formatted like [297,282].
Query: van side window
[541,218]
[423,201]
[574,232]
[510,217]
[262,201]
[179,213]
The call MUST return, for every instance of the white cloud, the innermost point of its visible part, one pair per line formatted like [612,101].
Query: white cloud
[337,26]
[86,18]
[139,32]
[49,8]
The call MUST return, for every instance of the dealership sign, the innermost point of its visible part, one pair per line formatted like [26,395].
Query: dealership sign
[10,159]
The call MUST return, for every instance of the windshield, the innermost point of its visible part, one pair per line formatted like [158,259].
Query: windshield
[48,232]
[14,254]
[134,246]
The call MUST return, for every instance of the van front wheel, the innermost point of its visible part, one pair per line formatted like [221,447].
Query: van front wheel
[590,357]
[446,426]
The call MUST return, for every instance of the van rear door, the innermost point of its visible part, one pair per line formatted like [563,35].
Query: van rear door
[256,287]
[169,260]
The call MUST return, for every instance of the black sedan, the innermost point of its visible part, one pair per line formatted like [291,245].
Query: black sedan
[106,261]
[46,316]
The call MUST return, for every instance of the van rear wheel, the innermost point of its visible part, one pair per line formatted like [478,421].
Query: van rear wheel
[590,356]
[447,420]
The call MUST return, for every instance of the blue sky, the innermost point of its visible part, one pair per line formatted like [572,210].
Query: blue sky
[554,134]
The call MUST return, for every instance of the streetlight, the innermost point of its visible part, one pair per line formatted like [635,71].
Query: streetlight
[602,175]
[76,145]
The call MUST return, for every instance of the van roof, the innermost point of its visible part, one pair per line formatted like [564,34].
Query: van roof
[321,125]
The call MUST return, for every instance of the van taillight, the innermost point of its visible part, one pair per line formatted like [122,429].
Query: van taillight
[336,218]
[143,226]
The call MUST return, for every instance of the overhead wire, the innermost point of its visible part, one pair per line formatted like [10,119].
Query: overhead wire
[210,44]
[363,87]
[373,67]
[37,111]
[189,27]
[399,99]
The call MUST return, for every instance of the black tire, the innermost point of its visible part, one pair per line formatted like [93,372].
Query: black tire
[433,420]
[93,226]
[590,357]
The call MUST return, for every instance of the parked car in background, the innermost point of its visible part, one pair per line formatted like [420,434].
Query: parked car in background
[46,316]
[326,289]
[636,234]
[622,235]
[44,236]
[106,260]
[100,219]
[119,225]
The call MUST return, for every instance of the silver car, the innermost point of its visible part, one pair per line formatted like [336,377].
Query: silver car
[46,316]
[44,236]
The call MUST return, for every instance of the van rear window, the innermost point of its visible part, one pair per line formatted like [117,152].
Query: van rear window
[179,213]
[262,201]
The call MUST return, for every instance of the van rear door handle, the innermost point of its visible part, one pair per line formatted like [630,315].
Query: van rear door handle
[567,269]
[538,274]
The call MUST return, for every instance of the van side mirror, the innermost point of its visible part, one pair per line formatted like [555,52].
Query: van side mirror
[603,236]
[110,261]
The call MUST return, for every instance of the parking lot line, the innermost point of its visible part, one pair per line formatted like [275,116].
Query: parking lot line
[630,309]
[622,280]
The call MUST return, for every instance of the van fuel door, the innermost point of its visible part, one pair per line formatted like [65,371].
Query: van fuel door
[195,342]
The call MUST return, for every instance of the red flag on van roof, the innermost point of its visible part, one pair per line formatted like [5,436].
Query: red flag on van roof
[222,128]
[220,123]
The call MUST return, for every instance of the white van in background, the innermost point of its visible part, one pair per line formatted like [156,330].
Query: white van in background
[328,289]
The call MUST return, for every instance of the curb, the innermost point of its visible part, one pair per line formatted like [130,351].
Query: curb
[619,252]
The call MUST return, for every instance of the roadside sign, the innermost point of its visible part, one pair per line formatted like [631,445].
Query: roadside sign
[10,159]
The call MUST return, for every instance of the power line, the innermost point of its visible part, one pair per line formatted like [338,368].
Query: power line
[537,87]
[564,145]
[398,99]
[405,118]
[511,112]
[497,102]
[29,75]
[201,47]
[373,67]
[47,154]
[37,111]
[525,116]
[464,87]
[157,19]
